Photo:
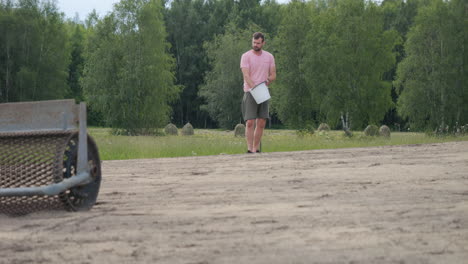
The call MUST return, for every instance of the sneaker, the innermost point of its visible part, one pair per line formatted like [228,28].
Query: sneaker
[258,151]
[249,152]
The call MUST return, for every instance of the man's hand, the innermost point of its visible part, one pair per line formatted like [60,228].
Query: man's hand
[272,76]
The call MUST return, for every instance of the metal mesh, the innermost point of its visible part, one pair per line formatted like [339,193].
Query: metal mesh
[31,160]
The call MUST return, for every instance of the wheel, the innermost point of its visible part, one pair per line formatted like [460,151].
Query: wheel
[82,197]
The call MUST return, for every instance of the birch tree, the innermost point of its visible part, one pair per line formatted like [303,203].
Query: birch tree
[292,99]
[434,72]
[348,53]
[129,74]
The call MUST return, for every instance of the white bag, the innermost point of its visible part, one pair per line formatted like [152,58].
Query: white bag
[260,93]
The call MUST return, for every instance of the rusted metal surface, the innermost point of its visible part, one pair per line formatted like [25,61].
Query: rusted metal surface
[82,196]
[41,159]
[47,160]
[39,116]
[31,160]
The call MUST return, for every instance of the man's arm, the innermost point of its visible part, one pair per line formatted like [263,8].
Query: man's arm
[246,74]
[271,75]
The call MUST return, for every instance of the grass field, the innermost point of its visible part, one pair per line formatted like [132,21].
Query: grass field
[216,142]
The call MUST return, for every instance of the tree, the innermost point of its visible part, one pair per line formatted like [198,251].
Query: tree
[128,76]
[270,18]
[434,72]
[292,99]
[245,13]
[35,52]
[8,29]
[348,53]
[75,69]
[398,15]
[190,24]
[223,85]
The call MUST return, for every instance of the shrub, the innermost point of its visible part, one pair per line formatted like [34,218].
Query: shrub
[308,129]
[187,130]
[371,130]
[137,132]
[464,129]
[460,130]
[323,127]
[171,129]
[239,130]
[384,131]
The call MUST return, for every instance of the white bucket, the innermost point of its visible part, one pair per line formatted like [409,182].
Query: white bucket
[260,93]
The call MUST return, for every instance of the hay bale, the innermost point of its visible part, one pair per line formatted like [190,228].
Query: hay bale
[171,129]
[187,130]
[371,130]
[239,130]
[348,133]
[323,127]
[384,131]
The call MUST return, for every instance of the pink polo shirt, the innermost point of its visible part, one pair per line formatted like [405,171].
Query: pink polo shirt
[258,65]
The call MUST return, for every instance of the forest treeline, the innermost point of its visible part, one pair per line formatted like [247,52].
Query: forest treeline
[403,63]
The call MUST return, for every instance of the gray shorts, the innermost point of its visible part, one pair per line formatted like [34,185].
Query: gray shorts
[252,110]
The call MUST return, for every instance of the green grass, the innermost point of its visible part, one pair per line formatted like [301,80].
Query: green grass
[216,142]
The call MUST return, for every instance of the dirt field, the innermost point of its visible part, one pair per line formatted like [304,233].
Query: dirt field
[404,204]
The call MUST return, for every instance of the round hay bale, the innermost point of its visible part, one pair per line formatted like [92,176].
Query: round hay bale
[171,129]
[371,130]
[323,127]
[384,131]
[239,130]
[187,130]
[348,133]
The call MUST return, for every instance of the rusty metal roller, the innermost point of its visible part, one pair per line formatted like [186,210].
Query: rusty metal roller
[47,160]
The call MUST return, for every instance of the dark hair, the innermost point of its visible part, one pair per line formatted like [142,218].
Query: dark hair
[258,35]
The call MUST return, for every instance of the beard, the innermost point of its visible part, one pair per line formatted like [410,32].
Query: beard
[256,48]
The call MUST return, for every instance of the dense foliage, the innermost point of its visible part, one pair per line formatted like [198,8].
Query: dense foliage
[34,52]
[129,74]
[433,76]
[402,63]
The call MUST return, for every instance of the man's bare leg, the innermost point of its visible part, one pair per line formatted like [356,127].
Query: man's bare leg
[249,134]
[261,122]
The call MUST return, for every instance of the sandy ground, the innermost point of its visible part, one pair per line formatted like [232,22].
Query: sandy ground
[403,204]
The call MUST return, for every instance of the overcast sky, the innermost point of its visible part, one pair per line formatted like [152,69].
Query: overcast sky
[84,7]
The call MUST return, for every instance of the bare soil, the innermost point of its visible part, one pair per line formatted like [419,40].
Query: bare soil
[400,204]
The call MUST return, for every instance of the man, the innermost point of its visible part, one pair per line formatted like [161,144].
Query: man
[257,66]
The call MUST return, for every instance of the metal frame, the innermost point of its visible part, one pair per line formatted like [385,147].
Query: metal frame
[16,117]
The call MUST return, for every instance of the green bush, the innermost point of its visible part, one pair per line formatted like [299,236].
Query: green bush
[137,132]
[464,129]
[308,129]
